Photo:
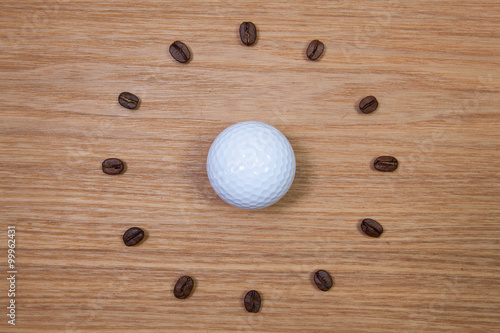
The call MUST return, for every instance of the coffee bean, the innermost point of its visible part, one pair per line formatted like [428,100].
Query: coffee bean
[128,100]
[368,104]
[113,166]
[248,33]
[385,163]
[315,49]
[183,287]
[180,52]
[323,280]
[133,236]
[252,301]
[371,228]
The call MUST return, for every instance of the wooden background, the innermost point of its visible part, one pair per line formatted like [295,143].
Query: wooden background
[433,65]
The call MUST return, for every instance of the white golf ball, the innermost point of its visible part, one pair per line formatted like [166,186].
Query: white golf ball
[251,165]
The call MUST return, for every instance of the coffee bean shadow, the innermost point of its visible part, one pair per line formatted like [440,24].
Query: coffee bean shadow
[358,227]
[146,236]
[193,290]
[372,167]
[191,57]
[356,108]
[125,167]
[311,279]
[242,299]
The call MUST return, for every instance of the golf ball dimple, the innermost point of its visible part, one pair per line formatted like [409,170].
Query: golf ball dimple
[251,165]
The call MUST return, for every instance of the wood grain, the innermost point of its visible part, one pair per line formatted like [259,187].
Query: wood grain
[434,67]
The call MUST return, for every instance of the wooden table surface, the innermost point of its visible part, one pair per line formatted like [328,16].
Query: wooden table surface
[434,67]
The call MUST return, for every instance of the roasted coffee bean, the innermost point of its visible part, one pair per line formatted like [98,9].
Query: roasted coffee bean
[252,301]
[180,52]
[128,100]
[371,228]
[133,236]
[248,33]
[385,163]
[315,49]
[368,104]
[183,287]
[113,166]
[323,280]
